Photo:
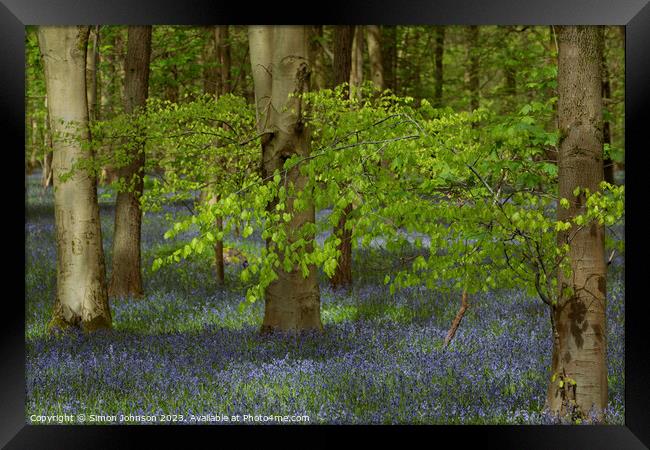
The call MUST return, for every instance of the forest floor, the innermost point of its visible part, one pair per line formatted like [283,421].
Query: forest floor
[186,350]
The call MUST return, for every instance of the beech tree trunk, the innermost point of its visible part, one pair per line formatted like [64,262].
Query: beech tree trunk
[279,59]
[374,55]
[580,336]
[126,277]
[81,299]
[439,52]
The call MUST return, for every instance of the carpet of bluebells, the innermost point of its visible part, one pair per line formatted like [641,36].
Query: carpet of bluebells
[188,350]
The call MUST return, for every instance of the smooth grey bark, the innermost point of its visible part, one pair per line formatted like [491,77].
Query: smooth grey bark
[580,335]
[280,64]
[81,298]
[126,276]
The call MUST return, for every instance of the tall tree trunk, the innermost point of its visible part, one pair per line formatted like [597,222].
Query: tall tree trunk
[356,72]
[580,345]
[126,278]
[374,55]
[471,73]
[607,134]
[279,58]
[343,65]
[214,84]
[81,298]
[439,53]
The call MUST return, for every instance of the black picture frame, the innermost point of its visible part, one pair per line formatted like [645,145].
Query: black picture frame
[634,14]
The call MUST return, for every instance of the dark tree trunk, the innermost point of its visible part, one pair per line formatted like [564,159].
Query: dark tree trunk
[580,345]
[439,54]
[217,82]
[342,277]
[342,65]
[126,277]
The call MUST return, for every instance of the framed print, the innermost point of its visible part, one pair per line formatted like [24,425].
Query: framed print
[387,218]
